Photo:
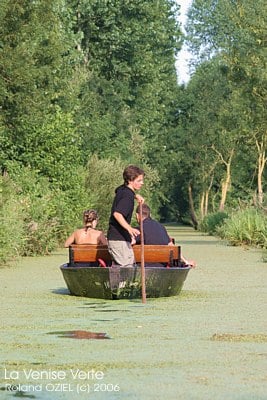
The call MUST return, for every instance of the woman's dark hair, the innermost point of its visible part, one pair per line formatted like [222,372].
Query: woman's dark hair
[88,217]
[131,173]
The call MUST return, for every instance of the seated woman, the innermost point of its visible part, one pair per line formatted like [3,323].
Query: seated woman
[88,234]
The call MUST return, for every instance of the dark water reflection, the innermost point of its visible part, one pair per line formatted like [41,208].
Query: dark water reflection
[112,310]
[79,334]
[17,393]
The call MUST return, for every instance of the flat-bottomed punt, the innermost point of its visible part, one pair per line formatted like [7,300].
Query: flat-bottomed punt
[85,279]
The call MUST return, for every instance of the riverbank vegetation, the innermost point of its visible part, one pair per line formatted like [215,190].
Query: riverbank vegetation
[242,227]
[89,87]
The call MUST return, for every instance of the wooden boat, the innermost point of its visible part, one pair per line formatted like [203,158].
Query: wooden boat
[116,282]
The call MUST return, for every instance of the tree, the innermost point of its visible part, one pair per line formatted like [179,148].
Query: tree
[210,138]
[236,30]
[129,48]
[36,75]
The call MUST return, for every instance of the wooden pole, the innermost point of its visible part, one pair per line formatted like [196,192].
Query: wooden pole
[143,275]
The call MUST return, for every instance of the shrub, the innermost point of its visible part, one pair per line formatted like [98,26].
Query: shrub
[247,227]
[12,224]
[71,203]
[37,216]
[212,222]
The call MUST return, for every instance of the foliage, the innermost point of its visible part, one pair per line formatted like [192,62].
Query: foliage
[235,31]
[212,222]
[36,217]
[207,134]
[36,72]
[12,224]
[88,87]
[103,176]
[222,129]
[130,49]
[246,227]
[53,148]
[79,79]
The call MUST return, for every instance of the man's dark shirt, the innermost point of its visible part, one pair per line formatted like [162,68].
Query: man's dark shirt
[124,204]
[154,233]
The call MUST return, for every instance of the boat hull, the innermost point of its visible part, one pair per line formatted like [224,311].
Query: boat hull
[123,282]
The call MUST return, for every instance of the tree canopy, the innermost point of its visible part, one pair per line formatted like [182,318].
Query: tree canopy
[87,84]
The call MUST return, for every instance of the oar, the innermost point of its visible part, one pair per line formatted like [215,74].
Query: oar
[143,275]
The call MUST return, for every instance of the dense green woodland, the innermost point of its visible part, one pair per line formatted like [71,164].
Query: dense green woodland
[90,86]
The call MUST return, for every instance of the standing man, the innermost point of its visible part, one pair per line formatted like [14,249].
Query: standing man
[120,232]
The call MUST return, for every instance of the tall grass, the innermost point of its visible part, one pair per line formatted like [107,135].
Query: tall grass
[245,227]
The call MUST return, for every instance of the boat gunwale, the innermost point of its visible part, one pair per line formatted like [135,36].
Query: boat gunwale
[68,267]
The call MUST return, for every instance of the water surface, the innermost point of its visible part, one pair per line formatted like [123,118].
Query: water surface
[206,343]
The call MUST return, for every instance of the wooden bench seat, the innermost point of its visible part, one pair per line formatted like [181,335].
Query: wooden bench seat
[86,253]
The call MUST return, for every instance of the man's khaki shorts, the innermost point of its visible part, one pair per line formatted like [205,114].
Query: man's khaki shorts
[121,252]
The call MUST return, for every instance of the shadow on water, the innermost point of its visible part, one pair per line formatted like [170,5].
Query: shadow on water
[97,305]
[61,291]
[79,334]
[106,320]
[105,311]
[24,395]
[197,242]
[113,310]
[18,393]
